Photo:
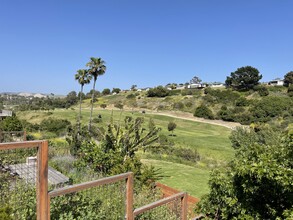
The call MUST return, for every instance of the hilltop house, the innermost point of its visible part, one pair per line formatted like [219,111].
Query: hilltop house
[5,113]
[276,82]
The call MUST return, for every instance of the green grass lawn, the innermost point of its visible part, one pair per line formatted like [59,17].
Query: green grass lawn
[211,141]
[182,177]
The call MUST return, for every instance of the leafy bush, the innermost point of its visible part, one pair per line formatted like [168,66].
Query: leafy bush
[54,125]
[269,107]
[11,124]
[131,96]
[262,90]
[290,90]
[256,184]
[241,101]
[203,112]
[159,91]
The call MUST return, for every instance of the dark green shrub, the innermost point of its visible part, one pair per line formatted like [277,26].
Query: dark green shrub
[269,107]
[242,101]
[54,125]
[131,96]
[262,90]
[290,91]
[203,112]
[159,91]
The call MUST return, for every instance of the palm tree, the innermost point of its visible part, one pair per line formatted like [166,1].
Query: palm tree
[83,77]
[96,68]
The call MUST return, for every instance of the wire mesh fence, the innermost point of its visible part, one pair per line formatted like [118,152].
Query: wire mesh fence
[18,183]
[12,136]
[169,211]
[101,202]
[169,208]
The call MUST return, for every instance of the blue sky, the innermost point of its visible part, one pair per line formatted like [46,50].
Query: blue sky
[143,42]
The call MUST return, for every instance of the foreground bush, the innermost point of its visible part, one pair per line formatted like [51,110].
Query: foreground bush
[257,184]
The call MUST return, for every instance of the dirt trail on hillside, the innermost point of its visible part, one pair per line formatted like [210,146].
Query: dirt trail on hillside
[183,115]
[189,116]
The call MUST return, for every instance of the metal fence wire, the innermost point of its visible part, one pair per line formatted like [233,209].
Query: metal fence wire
[17,183]
[169,211]
[101,202]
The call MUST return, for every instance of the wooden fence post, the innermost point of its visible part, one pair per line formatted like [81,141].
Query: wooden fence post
[42,182]
[184,207]
[129,197]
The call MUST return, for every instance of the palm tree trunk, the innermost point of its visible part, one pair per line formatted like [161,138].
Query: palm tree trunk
[79,117]
[93,96]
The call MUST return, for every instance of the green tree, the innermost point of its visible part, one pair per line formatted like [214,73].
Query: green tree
[171,127]
[203,111]
[96,68]
[11,124]
[244,78]
[83,77]
[71,99]
[288,79]
[257,184]
[116,90]
[106,91]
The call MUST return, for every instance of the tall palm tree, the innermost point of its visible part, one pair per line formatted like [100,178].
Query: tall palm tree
[83,77]
[96,68]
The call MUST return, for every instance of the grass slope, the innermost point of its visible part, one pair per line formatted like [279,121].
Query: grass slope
[182,177]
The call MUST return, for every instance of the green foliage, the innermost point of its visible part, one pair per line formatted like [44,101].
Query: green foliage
[159,91]
[118,105]
[290,90]
[116,153]
[171,126]
[257,184]
[220,96]
[5,213]
[116,90]
[103,105]
[241,101]
[11,124]
[288,79]
[55,125]
[262,90]
[71,99]
[270,107]
[203,112]
[106,91]
[131,96]
[243,78]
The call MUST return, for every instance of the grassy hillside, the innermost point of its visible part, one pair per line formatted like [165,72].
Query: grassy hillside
[211,142]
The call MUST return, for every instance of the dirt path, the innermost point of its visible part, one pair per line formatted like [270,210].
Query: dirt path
[183,115]
[189,116]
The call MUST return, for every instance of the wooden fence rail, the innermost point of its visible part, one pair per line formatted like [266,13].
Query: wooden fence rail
[182,196]
[107,180]
[43,195]
[42,173]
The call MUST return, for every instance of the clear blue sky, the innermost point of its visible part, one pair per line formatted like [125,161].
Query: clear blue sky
[144,42]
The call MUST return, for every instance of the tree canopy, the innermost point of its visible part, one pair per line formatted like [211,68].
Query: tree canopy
[288,79]
[257,184]
[244,78]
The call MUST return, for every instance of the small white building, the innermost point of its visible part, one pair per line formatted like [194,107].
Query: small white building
[196,85]
[276,82]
